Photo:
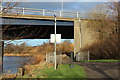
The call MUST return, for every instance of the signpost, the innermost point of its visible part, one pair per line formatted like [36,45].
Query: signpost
[55,44]
[58,38]
[54,39]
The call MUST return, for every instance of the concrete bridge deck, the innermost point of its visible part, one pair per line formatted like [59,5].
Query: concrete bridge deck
[22,16]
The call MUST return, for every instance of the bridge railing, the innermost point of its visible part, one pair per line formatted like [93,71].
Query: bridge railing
[43,12]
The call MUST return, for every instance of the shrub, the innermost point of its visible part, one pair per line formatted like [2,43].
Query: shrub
[107,49]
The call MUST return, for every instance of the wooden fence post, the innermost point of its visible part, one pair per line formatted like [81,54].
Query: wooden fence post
[88,56]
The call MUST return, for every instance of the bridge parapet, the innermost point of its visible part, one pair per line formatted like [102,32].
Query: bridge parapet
[42,12]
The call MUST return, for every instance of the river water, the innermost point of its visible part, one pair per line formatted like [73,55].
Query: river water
[12,63]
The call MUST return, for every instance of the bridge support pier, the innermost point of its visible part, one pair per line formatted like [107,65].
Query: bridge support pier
[82,37]
[77,37]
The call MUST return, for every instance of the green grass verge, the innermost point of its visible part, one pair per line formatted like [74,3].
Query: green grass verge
[101,61]
[63,71]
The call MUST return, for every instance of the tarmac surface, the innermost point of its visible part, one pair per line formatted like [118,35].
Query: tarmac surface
[101,69]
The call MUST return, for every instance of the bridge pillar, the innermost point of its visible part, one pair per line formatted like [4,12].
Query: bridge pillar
[77,37]
[84,36]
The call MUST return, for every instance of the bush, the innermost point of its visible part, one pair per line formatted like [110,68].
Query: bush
[66,46]
[107,49]
[16,49]
[37,59]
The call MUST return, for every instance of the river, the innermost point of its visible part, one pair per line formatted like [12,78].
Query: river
[12,63]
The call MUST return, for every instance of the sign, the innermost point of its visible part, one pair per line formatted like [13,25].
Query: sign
[58,38]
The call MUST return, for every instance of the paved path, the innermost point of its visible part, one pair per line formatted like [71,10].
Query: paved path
[101,69]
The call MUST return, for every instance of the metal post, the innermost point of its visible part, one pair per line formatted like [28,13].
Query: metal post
[82,56]
[61,57]
[55,43]
[46,57]
[78,57]
[60,14]
[43,12]
[71,60]
[1,56]
[23,10]
[49,58]
[88,56]
[77,14]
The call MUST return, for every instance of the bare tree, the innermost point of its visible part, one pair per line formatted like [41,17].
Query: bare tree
[105,27]
[102,25]
[11,8]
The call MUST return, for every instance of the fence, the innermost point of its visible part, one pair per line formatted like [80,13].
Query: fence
[43,12]
[82,55]
[51,59]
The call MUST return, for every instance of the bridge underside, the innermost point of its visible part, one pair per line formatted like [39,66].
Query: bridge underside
[35,32]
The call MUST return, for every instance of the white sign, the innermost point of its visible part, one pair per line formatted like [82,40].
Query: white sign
[58,38]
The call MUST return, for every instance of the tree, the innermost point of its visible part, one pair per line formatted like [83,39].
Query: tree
[16,33]
[9,48]
[21,32]
[105,27]
[15,49]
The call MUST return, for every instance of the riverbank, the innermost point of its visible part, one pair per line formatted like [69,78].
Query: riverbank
[12,65]
[44,70]
[17,55]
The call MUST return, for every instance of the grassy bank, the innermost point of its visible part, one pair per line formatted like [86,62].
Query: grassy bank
[63,71]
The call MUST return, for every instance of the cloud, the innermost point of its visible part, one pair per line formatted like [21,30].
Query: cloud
[67,6]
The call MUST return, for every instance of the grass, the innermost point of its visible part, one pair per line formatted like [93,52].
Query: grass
[101,61]
[63,71]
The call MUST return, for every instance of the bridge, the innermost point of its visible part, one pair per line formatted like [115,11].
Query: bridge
[27,23]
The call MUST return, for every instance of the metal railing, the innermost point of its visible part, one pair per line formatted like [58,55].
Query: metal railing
[51,59]
[43,12]
[82,55]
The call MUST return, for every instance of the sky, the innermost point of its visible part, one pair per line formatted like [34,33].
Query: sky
[61,0]
[33,42]
[67,6]
[82,7]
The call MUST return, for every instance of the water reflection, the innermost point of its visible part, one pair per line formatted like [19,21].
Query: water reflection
[12,63]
